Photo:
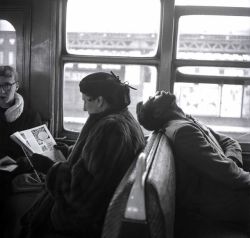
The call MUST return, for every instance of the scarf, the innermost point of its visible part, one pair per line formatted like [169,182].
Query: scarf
[15,111]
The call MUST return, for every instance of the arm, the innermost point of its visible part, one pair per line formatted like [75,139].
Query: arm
[230,147]
[192,148]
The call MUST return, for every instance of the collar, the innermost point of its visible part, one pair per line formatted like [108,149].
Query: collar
[15,111]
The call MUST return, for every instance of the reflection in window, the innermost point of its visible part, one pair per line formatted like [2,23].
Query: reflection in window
[143,78]
[113,27]
[214,38]
[7,43]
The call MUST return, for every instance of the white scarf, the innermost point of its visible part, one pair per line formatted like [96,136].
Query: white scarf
[15,111]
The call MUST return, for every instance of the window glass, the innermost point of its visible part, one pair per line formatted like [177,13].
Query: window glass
[214,38]
[225,108]
[215,71]
[143,78]
[113,27]
[7,43]
[229,3]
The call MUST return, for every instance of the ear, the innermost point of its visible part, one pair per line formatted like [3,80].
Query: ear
[100,101]
[17,85]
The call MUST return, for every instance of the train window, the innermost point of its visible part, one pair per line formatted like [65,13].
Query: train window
[211,66]
[111,37]
[143,78]
[214,38]
[113,28]
[229,3]
[7,43]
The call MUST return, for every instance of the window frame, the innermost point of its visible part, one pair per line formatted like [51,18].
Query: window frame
[162,59]
[165,59]
[19,15]
[191,78]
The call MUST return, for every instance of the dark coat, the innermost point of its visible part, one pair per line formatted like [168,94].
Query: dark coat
[82,187]
[8,147]
[210,180]
[27,119]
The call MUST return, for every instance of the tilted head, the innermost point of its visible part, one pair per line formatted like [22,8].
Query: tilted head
[157,110]
[8,85]
[102,91]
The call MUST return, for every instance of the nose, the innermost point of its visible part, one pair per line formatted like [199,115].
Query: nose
[2,90]
[84,107]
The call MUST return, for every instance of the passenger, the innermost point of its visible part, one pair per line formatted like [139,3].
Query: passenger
[80,189]
[15,115]
[211,185]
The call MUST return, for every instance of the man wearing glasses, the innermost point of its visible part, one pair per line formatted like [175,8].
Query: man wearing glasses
[14,116]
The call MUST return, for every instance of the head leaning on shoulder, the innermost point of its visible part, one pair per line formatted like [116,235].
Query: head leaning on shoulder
[8,85]
[158,110]
[103,91]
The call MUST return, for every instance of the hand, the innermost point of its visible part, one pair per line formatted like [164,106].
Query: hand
[64,148]
[23,165]
[41,163]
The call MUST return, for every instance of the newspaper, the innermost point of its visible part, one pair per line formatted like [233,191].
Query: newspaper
[38,140]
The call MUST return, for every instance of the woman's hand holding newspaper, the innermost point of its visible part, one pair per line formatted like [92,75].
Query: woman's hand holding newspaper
[41,163]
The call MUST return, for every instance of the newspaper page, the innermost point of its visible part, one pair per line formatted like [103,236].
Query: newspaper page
[38,140]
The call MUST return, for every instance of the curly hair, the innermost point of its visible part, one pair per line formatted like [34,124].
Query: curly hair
[8,71]
[146,115]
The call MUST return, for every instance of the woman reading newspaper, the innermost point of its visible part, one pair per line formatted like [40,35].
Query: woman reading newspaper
[79,190]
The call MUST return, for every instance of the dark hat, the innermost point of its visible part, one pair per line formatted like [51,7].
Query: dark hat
[107,85]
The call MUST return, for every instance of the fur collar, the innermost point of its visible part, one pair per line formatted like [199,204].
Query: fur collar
[15,111]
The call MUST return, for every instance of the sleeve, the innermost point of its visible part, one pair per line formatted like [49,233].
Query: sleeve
[192,148]
[231,147]
[101,164]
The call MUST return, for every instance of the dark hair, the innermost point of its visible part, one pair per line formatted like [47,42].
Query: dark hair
[8,71]
[116,93]
[147,117]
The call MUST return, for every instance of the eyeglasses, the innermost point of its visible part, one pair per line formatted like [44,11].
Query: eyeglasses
[7,86]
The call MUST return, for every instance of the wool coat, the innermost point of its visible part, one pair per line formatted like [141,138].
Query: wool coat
[82,187]
[210,181]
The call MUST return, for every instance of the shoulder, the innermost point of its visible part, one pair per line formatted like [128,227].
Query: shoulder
[112,122]
[179,126]
[119,119]
[32,116]
[119,123]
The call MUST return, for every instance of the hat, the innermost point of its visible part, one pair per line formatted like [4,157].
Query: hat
[107,85]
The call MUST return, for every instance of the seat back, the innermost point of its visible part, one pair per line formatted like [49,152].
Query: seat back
[143,204]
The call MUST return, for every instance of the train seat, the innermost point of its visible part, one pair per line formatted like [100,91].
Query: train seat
[144,202]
